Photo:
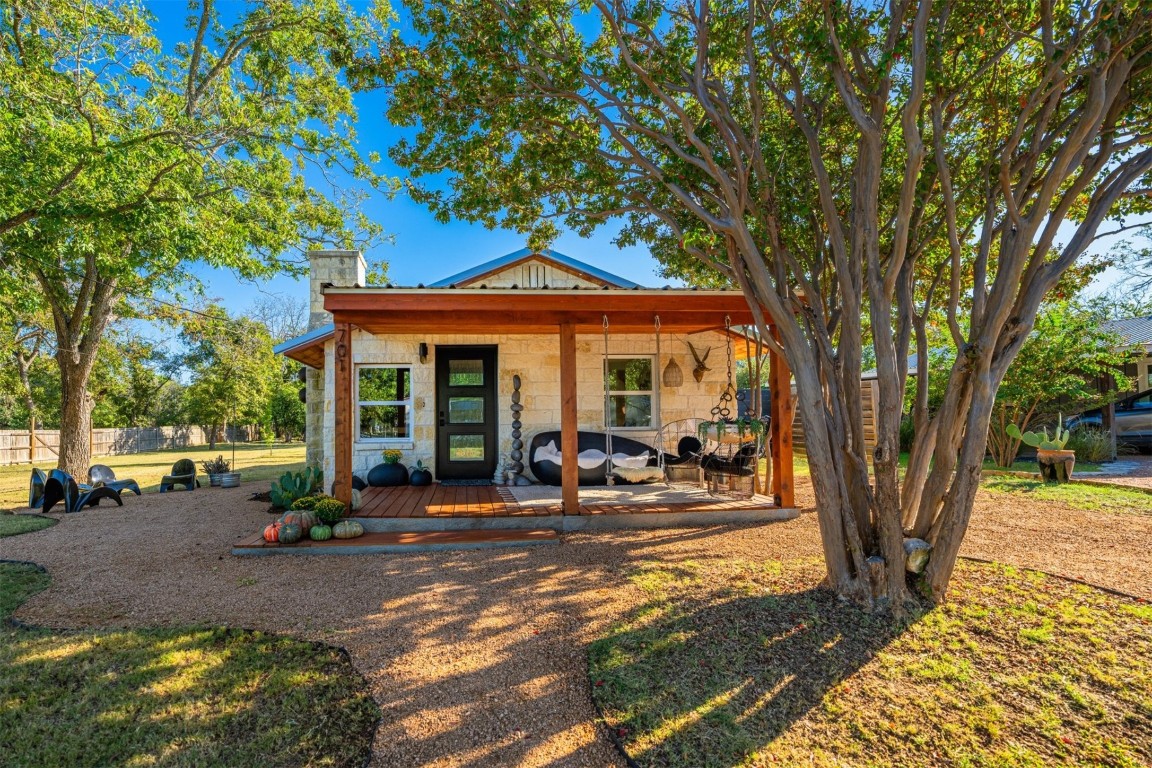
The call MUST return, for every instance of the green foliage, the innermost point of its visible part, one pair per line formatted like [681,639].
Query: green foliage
[329,510]
[232,366]
[1058,368]
[1055,443]
[216,466]
[286,412]
[1091,444]
[308,502]
[123,159]
[295,485]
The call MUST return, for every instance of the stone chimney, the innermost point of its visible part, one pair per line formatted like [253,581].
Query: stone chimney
[339,269]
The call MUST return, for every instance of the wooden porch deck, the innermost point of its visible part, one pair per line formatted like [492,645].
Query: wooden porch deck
[440,501]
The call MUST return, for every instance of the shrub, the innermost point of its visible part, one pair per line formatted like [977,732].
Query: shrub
[329,510]
[216,466]
[907,432]
[308,502]
[1090,444]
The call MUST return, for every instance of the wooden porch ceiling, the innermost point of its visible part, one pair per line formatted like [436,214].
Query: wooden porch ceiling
[522,311]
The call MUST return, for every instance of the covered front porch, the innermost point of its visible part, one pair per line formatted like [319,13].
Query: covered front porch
[562,315]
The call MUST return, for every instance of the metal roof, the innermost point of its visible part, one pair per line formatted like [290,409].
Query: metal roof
[547,254]
[1135,330]
[316,334]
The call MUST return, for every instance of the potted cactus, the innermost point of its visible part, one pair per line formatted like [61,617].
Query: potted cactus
[1056,463]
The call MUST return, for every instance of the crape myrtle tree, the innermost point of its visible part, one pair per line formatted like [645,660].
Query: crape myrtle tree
[842,163]
[124,162]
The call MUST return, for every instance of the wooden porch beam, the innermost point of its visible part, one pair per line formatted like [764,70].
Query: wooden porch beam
[780,386]
[342,397]
[569,468]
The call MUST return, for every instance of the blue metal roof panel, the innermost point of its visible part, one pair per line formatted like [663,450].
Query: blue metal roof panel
[316,334]
[547,253]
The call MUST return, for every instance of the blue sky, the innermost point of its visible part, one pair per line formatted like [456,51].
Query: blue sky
[422,250]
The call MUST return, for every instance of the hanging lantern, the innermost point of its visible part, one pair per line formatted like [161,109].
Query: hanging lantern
[673,376]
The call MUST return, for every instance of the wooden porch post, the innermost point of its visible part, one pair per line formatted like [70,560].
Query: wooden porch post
[780,384]
[569,469]
[342,397]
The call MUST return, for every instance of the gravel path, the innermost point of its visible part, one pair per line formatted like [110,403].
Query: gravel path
[476,658]
[1133,470]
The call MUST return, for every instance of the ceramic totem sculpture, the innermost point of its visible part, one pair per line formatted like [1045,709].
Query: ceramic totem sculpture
[514,473]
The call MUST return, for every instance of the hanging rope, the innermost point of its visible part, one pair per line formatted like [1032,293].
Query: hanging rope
[656,396]
[608,478]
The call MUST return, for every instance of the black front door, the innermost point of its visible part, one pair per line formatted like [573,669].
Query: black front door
[466,412]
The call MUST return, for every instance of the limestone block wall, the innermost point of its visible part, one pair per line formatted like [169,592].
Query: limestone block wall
[536,358]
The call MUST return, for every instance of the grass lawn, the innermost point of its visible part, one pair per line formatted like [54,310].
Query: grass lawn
[173,697]
[258,463]
[13,525]
[1092,498]
[750,663]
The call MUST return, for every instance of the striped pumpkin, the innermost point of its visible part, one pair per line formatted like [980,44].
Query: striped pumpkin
[320,532]
[272,533]
[347,529]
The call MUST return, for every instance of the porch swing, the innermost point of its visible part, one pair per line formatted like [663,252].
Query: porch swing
[720,454]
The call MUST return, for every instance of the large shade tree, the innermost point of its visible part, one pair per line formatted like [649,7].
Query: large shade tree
[124,160]
[845,164]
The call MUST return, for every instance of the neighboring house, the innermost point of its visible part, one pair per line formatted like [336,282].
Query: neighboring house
[1137,335]
[429,370]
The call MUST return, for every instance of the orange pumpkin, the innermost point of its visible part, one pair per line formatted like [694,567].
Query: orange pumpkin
[272,533]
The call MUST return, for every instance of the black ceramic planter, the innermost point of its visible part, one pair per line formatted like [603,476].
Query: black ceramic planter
[421,477]
[383,475]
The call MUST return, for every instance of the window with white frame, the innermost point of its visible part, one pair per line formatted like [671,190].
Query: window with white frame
[384,402]
[631,396]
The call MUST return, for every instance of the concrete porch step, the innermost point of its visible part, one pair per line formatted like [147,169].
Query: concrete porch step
[399,542]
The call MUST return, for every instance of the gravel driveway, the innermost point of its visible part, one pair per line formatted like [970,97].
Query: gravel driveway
[477,658]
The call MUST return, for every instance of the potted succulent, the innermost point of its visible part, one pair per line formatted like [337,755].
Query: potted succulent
[743,430]
[391,472]
[219,473]
[421,475]
[1055,462]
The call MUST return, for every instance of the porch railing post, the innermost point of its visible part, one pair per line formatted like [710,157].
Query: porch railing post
[342,434]
[569,468]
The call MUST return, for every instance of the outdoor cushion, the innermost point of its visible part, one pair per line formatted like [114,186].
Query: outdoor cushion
[545,458]
[639,474]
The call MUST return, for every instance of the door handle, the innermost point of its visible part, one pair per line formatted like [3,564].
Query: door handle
[442,422]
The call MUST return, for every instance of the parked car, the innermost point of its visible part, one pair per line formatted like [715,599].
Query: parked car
[1133,420]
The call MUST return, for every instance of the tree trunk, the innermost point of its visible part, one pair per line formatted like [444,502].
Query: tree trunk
[75,419]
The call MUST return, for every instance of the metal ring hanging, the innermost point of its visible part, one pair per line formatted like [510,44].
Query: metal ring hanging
[722,411]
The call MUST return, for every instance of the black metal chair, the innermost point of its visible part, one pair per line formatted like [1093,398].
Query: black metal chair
[58,487]
[101,475]
[183,473]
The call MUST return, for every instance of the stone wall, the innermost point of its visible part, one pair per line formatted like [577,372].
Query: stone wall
[536,358]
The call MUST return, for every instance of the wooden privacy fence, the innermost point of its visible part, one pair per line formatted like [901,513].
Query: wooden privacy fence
[42,446]
[869,404]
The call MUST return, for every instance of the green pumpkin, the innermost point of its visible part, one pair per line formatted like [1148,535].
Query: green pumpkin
[345,529]
[320,532]
[290,533]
